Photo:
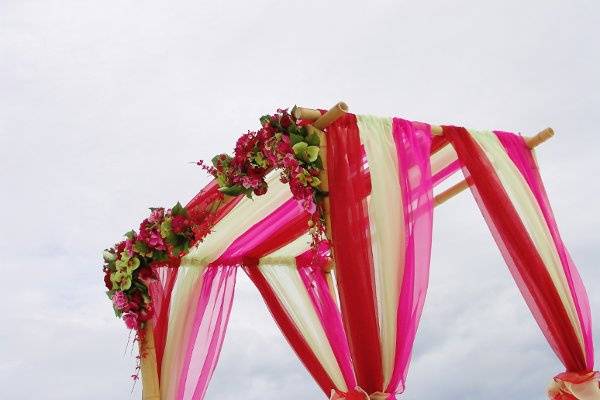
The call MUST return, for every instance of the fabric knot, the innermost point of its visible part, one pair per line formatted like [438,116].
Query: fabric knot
[575,386]
[359,394]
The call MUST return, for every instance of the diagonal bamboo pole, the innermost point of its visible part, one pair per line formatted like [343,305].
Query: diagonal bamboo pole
[459,187]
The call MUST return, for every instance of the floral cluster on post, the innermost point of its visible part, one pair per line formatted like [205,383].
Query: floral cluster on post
[163,237]
[284,144]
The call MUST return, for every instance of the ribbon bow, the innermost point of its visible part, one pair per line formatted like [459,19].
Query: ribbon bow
[575,386]
[359,394]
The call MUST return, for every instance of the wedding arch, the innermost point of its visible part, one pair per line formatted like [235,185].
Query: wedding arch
[330,215]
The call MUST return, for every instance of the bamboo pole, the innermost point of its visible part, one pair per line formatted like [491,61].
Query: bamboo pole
[532,142]
[321,121]
[150,383]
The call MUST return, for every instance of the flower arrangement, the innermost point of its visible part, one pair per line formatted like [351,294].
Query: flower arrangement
[282,143]
[163,238]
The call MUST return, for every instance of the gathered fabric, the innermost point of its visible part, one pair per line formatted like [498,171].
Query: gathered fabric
[354,328]
[575,386]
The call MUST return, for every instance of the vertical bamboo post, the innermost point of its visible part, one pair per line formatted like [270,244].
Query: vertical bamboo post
[150,383]
[324,186]
[321,123]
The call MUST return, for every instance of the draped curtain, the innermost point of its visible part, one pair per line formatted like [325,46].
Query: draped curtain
[356,339]
[505,181]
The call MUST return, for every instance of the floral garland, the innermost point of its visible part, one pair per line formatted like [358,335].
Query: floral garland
[163,238]
[282,143]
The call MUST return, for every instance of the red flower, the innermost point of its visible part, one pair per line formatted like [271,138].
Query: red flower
[179,223]
[131,320]
[147,275]
[261,189]
[107,281]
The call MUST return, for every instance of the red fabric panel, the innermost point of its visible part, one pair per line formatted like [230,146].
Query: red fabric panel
[352,250]
[292,334]
[518,249]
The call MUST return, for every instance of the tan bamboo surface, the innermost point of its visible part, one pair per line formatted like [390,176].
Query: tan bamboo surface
[532,142]
[150,384]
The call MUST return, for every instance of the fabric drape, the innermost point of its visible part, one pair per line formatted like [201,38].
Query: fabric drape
[509,191]
[381,228]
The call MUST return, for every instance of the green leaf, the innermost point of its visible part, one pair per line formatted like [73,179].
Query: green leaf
[234,190]
[295,139]
[313,139]
[178,209]
[312,152]
[141,247]
[221,159]
[265,119]
[165,228]
[315,182]
[222,180]
[130,234]
[318,163]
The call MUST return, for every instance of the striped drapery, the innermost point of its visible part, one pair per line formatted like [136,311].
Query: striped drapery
[381,174]
[381,230]
[508,188]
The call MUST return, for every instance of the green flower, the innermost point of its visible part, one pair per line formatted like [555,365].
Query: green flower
[304,152]
[109,256]
[121,280]
[127,263]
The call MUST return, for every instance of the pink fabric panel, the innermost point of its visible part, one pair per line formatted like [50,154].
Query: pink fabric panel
[413,143]
[523,158]
[284,225]
[310,269]
[208,331]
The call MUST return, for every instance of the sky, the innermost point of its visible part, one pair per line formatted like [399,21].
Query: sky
[104,104]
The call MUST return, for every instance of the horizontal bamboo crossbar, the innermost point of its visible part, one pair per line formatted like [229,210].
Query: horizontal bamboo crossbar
[321,121]
[453,190]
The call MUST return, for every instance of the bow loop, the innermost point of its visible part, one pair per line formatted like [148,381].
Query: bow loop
[575,386]
[359,394]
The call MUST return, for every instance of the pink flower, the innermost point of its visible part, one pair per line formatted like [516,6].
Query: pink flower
[156,241]
[250,181]
[309,205]
[131,320]
[290,162]
[179,223]
[120,301]
[129,246]
[156,215]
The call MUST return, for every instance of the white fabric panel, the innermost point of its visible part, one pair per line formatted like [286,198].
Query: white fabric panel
[246,213]
[528,209]
[387,233]
[291,292]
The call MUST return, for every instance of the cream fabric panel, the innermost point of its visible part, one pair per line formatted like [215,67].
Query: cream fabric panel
[247,213]
[291,292]
[387,233]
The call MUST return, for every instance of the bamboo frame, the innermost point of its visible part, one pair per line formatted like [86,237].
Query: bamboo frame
[322,122]
[532,142]
[150,383]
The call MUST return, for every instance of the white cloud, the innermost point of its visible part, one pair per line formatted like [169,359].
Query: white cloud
[102,105]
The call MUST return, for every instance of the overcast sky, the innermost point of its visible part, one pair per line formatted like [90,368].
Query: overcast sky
[103,104]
